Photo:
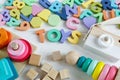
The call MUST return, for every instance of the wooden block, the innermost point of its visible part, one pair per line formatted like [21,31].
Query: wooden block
[26,10]
[56,56]
[46,78]
[118,75]
[35,60]
[46,67]
[64,74]
[36,22]
[32,74]
[53,73]
[38,79]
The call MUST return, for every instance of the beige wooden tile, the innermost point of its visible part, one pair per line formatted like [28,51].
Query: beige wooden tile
[46,67]
[32,74]
[35,60]
[53,73]
[64,74]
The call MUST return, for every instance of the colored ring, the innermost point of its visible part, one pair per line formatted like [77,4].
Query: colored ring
[112,73]
[105,41]
[80,61]
[98,70]
[56,33]
[104,72]
[25,55]
[91,68]
[20,50]
[29,52]
[86,64]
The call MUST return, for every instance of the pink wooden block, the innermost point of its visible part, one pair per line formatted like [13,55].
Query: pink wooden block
[36,9]
[74,21]
[1,20]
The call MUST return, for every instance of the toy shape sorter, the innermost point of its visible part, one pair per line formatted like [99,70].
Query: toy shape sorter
[3,54]
[102,42]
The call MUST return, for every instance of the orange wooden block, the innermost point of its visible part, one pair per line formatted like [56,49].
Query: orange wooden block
[78,13]
[106,16]
[5,37]
[23,26]
[41,35]
[10,7]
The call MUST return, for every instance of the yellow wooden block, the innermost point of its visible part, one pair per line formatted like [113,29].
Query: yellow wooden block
[18,4]
[44,14]
[36,22]
[74,39]
[15,13]
[87,3]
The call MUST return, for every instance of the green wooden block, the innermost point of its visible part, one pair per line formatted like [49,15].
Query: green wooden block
[96,7]
[26,10]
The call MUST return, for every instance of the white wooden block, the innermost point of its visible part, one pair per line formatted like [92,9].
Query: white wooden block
[46,67]
[32,74]
[64,74]
[111,53]
[56,56]
[35,60]
[46,78]
[53,73]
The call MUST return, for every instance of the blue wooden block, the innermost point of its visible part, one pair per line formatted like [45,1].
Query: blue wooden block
[6,15]
[71,10]
[106,4]
[56,6]
[28,19]
[65,35]
[15,73]
[45,3]
[5,70]
[113,4]
[62,14]
[86,13]
[8,2]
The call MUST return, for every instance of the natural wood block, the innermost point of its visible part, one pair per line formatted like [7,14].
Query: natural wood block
[46,67]
[38,79]
[35,60]
[56,56]
[64,74]
[46,78]
[32,74]
[118,75]
[53,73]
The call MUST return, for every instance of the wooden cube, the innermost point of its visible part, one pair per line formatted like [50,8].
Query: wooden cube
[46,78]
[64,74]
[32,74]
[53,73]
[35,60]
[56,56]
[46,67]
[38,79]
